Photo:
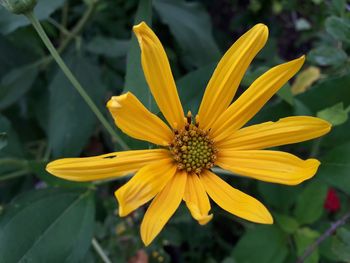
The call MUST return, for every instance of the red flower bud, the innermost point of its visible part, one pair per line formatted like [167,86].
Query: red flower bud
[332,202]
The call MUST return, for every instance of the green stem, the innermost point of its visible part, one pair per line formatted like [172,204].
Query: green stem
[13,175]
[13,162]
[36,24]
[78,27]
[100,251]
[315,149]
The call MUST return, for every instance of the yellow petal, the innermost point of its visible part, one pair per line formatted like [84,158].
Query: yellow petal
[146,183]
[135,120]
[252,100]
[197,200]
[229,73]
[269,134]
[163,207]
[235,201]
[105,166]
[158,75]
[269,166]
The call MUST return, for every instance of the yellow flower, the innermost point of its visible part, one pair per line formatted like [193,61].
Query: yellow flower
[189,147]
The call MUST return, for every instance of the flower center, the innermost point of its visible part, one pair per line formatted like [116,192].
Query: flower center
[192,148]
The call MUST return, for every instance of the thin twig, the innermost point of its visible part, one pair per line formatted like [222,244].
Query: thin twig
[323,237]
[13,175]
[74,81]
[100,251]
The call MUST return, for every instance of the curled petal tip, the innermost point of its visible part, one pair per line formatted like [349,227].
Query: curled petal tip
[115,101]
[137,28]
[205,219]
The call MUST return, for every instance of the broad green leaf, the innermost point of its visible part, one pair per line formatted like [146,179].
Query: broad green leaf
[51,225]
[3,140]
[108,47]
[327,56]
[12,57]
[309,206]
[15,84]
[191,87]
[191,27]
[341,244]
[71,121]
[304,237]
[338,7]
[276,196]
[10,22]
[336,114]
[335,168]
[339,28]
[287,224]
[327,93]
[263,244]
[134,78]
[13,147]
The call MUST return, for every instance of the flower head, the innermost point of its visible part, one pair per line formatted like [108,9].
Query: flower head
[189,146]
[19,6]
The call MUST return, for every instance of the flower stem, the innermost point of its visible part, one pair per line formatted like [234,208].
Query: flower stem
[323,237]
[13,175]
[100,251]
[39,29]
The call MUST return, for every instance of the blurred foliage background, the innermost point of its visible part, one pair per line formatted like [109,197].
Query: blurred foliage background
[45,219]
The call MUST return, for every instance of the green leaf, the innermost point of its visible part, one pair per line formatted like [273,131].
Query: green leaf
[191,27]
[13,147]
[309,206]
[51,225]
[338,7]
[191,87]
[10,22]
[263,244]
[15,84]
[327,93]
[327,56]
[339,28]
[280,197]
[304,237]
[287,224]
[71,121]
[335,167]
[3,140]
[336,114]
[134,78]
[341,244]
[108,47]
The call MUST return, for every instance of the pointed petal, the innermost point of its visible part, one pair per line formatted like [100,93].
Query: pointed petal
[269,134]
[105,166]
[197,200]
[252,100]
[235,201]
[163,207]
[269,166]
[158,74]
[229,73]
[142,187]
[135,120]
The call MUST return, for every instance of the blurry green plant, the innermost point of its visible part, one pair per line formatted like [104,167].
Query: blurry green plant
[41,115]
